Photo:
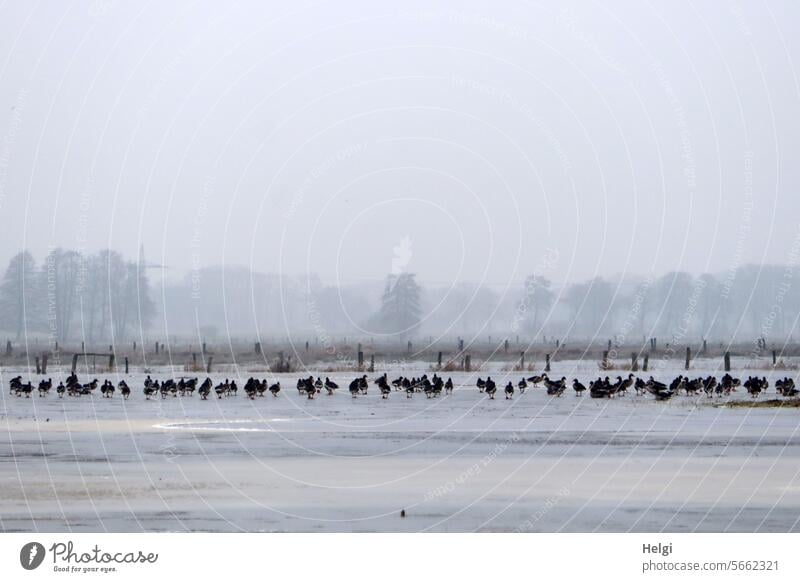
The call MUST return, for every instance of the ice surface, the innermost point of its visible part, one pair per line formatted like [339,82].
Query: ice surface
[459,462]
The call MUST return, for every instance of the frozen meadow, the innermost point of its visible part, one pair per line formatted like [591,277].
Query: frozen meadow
[459,462]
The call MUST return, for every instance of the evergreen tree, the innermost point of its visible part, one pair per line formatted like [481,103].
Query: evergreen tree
[400,311]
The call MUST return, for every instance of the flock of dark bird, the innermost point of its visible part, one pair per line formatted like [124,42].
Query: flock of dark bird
[431,387]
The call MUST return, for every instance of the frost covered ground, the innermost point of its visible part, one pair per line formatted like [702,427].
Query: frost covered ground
[456,463]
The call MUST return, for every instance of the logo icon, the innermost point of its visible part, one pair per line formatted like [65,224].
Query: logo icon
[31,555]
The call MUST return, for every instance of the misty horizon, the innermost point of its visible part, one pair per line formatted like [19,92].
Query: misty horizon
[315,139]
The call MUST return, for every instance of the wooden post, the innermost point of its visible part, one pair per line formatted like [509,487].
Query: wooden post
[634,362]
[126,364]
[605,360]
[38,367]
[460,345]
[558,343]
[439,360]
[208,368]
[360,359]
[688,356]
[204,348]
[83,348]
[306,346]
[134,347]
[257,348]
[372,362]
[9,349]
[705,347]
[409,347]
[774,357]
[547,363]
[111,359]
[646,362]
[74,362]
[467,363]
[506,346]
[156,348]
[194,359]
[609,345]
[44,363]
[522,360]
[727,361]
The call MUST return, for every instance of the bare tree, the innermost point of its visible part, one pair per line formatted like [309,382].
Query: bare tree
[19,308]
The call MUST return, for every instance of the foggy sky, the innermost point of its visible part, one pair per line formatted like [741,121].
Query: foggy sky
[461,141]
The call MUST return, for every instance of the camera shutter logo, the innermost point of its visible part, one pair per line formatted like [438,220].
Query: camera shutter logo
[31,555]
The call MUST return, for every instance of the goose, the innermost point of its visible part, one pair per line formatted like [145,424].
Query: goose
[44,387]
[354,387]
[490,387]
[555,388]
[536,380]
[448,386]
[330,386]
[261,387]
[150,388]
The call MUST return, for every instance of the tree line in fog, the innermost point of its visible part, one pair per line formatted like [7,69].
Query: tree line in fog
[72,295]
[100,297]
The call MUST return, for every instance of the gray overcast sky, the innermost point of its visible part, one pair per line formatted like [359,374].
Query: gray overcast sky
[318,136]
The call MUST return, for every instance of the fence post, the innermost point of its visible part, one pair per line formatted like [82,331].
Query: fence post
[646,362]
[727,361]
[126,364]
[688,356]
[634,362]
[208,368]
[547,363]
